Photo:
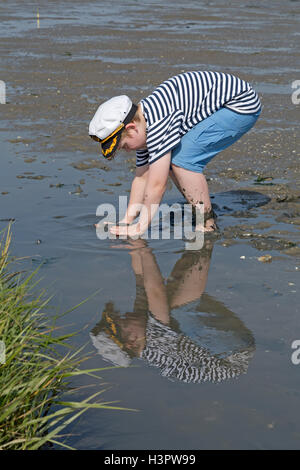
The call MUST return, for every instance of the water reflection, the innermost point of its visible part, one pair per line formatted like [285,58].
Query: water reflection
[174,325]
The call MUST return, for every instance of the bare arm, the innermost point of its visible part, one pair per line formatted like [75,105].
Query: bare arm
[155,185]
[155,287]
[136,194]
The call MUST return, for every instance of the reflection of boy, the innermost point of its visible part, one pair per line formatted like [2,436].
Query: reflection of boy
[156,336]
[178,357]
[178,129]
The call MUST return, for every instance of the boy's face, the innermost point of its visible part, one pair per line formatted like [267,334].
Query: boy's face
[134,139]
[133,331]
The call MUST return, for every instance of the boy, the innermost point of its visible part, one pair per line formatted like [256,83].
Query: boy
[175,131]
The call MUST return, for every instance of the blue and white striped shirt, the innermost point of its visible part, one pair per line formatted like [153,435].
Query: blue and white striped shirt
[181,102]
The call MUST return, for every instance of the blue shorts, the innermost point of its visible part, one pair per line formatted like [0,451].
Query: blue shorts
[212,135]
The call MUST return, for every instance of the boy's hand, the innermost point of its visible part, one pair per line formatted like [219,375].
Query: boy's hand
[111,223]
[132,231]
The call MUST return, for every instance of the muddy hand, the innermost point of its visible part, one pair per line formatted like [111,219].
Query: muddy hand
[104,223]
[132,231]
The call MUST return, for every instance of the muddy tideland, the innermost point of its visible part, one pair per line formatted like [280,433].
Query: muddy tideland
[214,340]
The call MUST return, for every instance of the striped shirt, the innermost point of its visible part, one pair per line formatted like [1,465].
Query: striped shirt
[181,102]
[178,357]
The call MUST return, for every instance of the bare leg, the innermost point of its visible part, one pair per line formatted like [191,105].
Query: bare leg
[194,188]
[188,278]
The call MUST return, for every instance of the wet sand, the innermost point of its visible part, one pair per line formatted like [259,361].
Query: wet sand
[58,74]
[52,179]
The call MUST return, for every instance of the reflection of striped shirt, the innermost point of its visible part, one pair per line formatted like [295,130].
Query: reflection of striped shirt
[181,102]
[178,357]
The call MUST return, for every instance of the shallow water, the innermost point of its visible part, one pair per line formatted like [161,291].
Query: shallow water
[211,367]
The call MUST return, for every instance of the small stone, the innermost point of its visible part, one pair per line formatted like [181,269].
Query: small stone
[77,191]
[294,251]
[265,258]
[37,177]
[281,197]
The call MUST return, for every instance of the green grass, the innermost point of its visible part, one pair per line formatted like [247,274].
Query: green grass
[34,375]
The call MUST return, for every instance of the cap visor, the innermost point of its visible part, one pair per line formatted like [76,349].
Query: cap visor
[110,146]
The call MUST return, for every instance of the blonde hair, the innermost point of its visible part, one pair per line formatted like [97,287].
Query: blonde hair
[136,118]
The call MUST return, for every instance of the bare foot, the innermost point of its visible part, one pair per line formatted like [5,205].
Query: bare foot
[210,226]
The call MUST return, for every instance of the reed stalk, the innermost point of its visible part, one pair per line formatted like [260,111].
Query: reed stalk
[35,378]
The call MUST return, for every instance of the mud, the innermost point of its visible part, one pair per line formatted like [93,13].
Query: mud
[56,73]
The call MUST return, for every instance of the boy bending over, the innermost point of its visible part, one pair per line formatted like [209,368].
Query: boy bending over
[175,131]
